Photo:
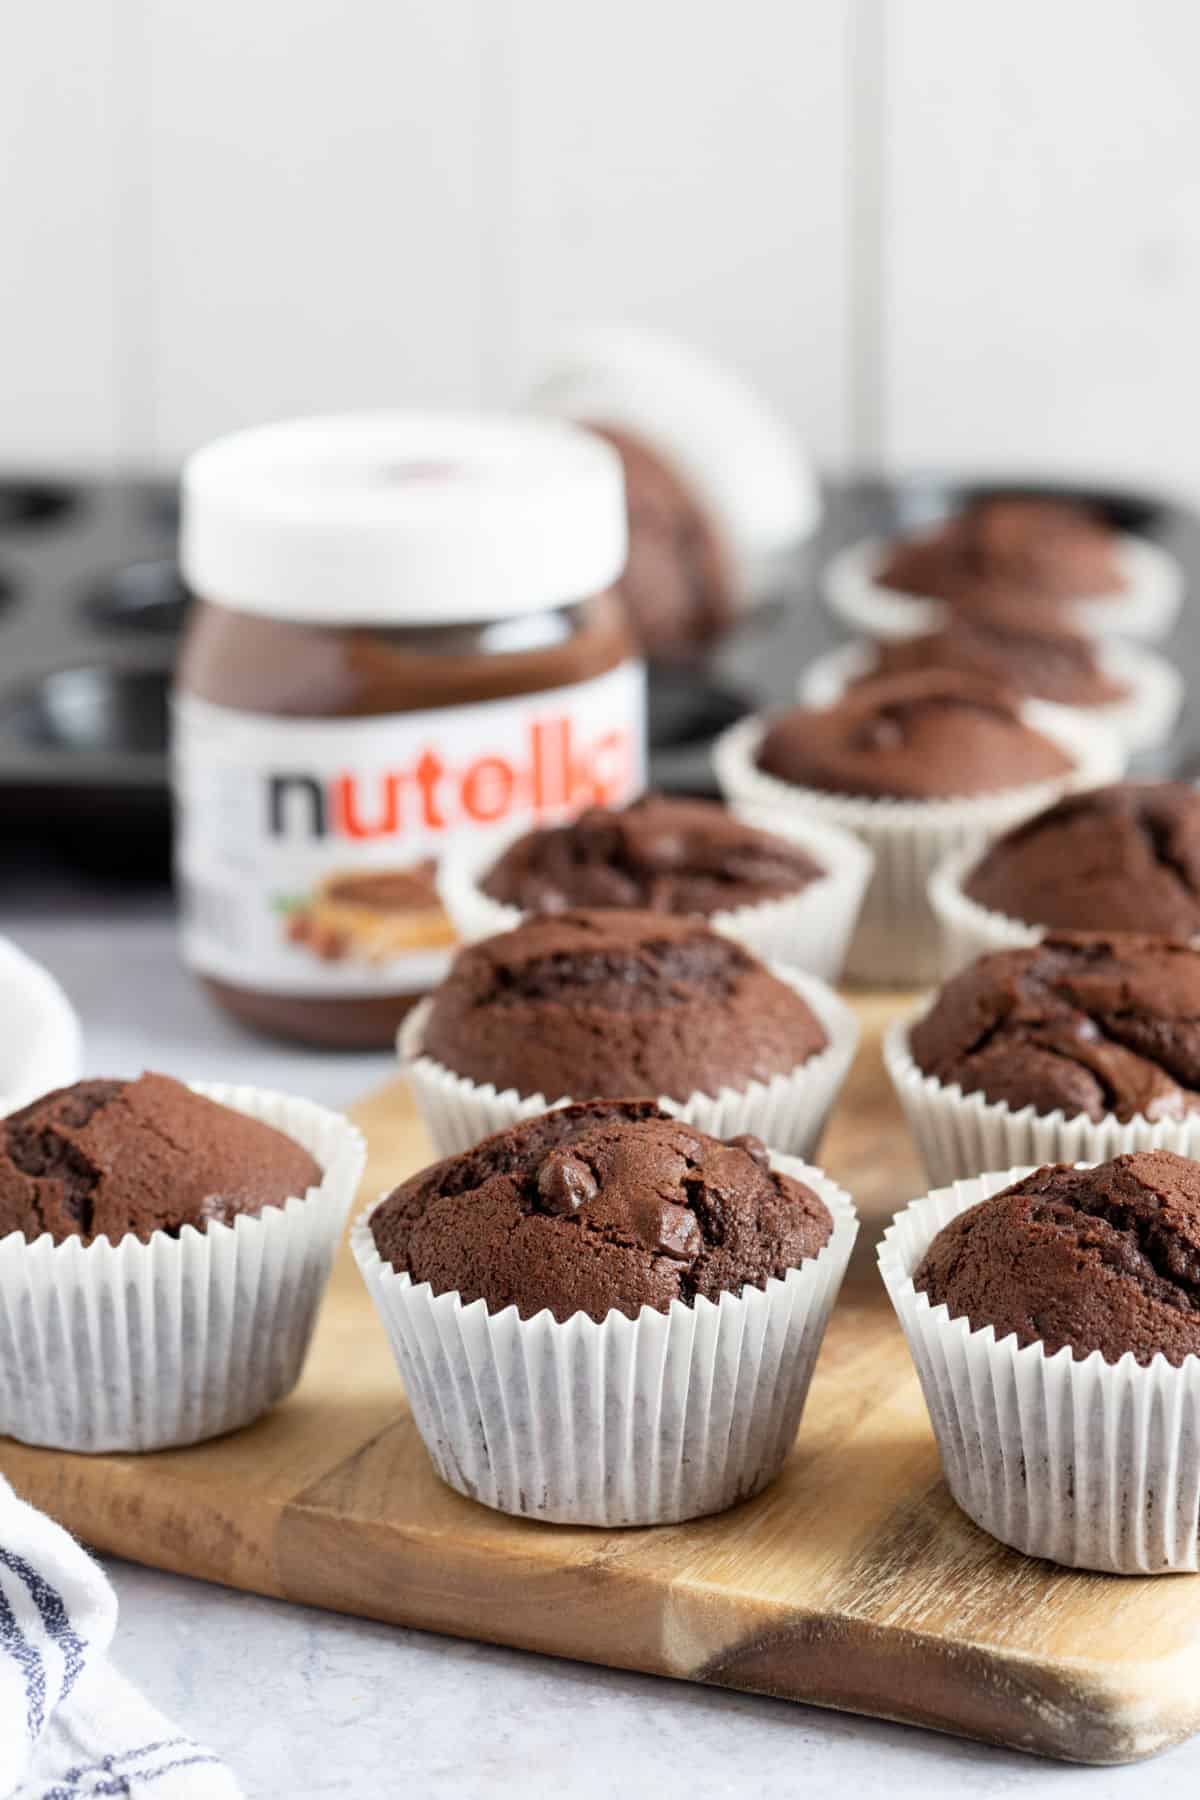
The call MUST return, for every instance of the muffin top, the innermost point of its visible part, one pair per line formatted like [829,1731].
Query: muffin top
[667,855]
[1118,858]
[1090,1023]
[600,1004]
[933,735]
[607,1206]
[1045,549]
[114,1158]
[1101,1259]
[1013,644]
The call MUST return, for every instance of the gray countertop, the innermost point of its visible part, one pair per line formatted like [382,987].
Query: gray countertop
[305,1703]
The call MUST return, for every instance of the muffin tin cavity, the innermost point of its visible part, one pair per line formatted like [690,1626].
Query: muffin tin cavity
[96,711]
[34,502]
[144,596]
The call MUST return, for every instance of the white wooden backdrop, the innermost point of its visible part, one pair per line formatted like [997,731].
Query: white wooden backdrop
[934,231]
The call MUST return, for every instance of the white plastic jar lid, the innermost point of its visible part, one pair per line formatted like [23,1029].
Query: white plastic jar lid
[403,518]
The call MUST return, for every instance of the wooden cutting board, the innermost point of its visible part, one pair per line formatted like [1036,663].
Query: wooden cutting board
[853,1582]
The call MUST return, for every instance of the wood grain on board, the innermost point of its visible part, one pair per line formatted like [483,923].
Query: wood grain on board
[853,1582]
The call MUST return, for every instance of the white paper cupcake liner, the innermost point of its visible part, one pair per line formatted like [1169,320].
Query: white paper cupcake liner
[641,1421]
[899,939]
[968,929]
[960,1134]
[140,1346]
[43,1047]
[1091,1464]
[1142,722]
[788,1112]
[809,930]
[1147,608]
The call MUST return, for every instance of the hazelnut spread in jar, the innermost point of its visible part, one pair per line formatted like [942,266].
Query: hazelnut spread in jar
[403,635]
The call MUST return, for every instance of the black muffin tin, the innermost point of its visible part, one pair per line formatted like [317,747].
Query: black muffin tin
[91,609]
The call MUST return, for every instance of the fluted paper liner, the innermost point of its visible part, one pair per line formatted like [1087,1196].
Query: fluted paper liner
[809,930]
[140,1346]
[960,1134]
[1146,608]
[1142,721]
[968,929]
[788,1112]
[1092,1464]
[640,1421]
[899,940]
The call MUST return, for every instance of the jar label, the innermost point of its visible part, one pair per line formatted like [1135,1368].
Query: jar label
[307,849]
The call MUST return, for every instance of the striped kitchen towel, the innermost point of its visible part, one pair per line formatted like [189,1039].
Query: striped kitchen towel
[70,1727]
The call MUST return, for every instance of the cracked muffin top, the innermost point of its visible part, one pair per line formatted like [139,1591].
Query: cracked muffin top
[600,1004]
[933,735]
[1118,858]
[114,1158]
[1090,1023]
[602,1207]
[1042,548]
[1014,644]
[1101,1259]
[665,854]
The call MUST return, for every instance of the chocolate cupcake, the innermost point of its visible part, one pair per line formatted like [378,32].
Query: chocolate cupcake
[1015,647]
[603,1003]
[1074,1049]
[660,854]
[916,765]
[1055,1321]
[1062,560]
[1121,688]
[719,493]
[602,1236]
[1100,1259]
[118,1158]
[1119,858]
[791,898]
[131,1210]
[1042,549]
[933,735]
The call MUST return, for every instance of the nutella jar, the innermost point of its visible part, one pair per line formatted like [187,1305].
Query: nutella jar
[403,635]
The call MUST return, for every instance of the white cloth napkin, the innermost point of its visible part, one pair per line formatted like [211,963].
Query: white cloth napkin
[70,1727]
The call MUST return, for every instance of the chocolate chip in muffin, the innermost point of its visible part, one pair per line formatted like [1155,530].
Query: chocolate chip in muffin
[114,1158]
[665,854]
[1118,858]
[606,1003]
[1088,1023]
[932,735]
[601,1207]
[1103,1259]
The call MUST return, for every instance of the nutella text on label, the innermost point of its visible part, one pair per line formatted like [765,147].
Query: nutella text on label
[307,850]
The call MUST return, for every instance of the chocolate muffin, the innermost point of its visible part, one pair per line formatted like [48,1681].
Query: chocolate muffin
[602,1207]
[599,1004]
[1090,1023]
[1045,549]
[677,585]
[1118,858]
[934,735]
[114,1158]
[1101,1259]
[1015,645]
[667,855]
